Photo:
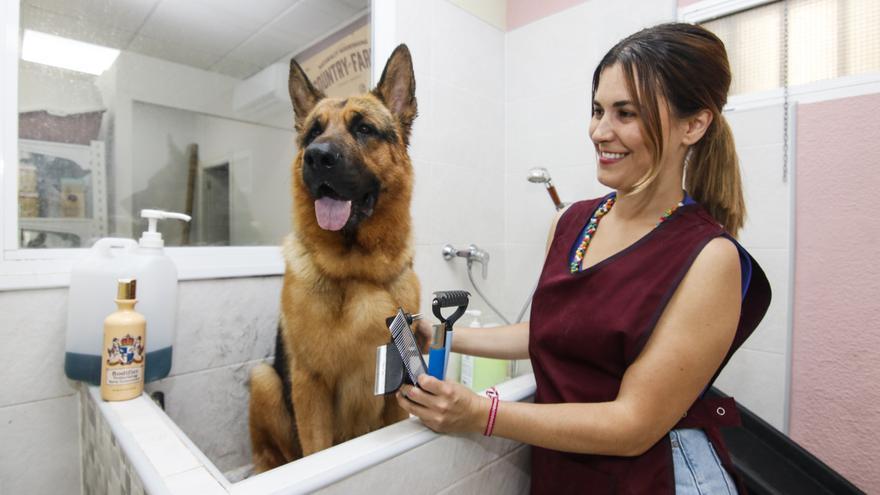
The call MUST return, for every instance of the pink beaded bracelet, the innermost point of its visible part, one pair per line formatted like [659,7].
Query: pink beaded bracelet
[492,393]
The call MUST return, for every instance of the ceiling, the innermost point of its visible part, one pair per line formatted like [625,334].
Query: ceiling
[232,37]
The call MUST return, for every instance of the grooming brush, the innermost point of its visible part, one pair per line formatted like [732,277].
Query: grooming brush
[398,361]
[438,355]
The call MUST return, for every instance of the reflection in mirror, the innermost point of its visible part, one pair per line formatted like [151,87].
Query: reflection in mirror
[173,105]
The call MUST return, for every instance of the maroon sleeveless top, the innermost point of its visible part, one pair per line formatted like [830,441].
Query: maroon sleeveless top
[587,328]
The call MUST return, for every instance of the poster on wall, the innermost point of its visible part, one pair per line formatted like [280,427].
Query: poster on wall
[340,65]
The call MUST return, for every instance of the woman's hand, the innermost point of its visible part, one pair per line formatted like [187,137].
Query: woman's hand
[424,334]
[443,406]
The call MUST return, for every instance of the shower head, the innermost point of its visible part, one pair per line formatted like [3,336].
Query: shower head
[540,175]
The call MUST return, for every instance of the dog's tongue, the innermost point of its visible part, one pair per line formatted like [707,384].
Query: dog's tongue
[332,213]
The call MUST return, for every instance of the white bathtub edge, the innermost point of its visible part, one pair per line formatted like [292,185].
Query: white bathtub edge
[150,477]
[207,464]
[324,468]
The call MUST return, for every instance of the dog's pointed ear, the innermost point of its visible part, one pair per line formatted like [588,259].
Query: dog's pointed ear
[302,93]
[397,87]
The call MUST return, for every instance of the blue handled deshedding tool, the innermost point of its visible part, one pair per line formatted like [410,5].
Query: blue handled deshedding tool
[441,347]
[399,361]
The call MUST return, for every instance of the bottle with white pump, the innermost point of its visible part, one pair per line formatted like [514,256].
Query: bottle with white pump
[157,293]
[93,282]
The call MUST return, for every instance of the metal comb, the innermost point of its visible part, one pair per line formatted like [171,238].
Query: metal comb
[401,353]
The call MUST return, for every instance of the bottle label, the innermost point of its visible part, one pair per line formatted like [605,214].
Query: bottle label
[125,376]
[124,351]
[125,360]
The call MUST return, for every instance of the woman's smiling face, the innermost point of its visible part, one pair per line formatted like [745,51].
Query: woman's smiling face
[624,155]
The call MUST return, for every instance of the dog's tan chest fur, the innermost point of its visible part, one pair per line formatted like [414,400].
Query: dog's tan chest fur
[331,325]
[357,308]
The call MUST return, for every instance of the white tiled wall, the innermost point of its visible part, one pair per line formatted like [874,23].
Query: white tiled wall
[224,326]
[32,350]
[205,402]
[40,448]
[445,464]
[457,145]
[509,474]
[39,411]
[548,73]
[757,375]
[230,327]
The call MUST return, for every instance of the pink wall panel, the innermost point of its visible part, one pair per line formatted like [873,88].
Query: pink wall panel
[835,389]
[522,12]
[685,3]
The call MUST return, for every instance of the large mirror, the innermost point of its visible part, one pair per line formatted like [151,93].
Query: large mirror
[179,105]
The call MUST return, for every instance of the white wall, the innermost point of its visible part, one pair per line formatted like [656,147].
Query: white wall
[36,401]
[548,74]
[226,326]
[757,374]
[457,146]
[259,158]
[59,91]
[159,164]
[491,106]
[138,78]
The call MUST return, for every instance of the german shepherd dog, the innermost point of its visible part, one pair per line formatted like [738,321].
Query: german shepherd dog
[348,266]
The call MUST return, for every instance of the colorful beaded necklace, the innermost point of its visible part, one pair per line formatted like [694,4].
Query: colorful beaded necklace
[601,211]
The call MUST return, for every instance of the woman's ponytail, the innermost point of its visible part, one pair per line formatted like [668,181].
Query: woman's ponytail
[712,176]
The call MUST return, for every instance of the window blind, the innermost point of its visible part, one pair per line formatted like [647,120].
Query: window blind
[826,39]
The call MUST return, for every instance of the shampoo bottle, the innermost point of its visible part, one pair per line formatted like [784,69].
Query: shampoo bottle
[480,373]
[123,355]
[157,287]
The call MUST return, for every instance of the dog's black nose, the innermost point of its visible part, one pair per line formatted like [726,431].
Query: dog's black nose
[322,155]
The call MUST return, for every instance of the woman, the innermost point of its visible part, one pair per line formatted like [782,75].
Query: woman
[644,294]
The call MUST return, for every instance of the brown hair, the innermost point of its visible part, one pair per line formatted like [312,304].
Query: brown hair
[688,65]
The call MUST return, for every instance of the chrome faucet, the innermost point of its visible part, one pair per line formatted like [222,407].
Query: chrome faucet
[471,254]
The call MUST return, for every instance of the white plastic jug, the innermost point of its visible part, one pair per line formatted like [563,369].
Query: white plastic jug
[91,298]
[93,290]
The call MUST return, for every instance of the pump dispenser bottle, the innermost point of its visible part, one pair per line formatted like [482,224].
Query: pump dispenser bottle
[157,285]
[93,282]
[124,353]
[480,373]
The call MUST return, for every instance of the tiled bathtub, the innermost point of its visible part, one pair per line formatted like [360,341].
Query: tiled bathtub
[135,447]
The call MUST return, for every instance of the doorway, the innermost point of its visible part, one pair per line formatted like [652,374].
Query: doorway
[213,211]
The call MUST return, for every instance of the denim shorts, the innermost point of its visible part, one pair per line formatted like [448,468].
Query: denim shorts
[698,470]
